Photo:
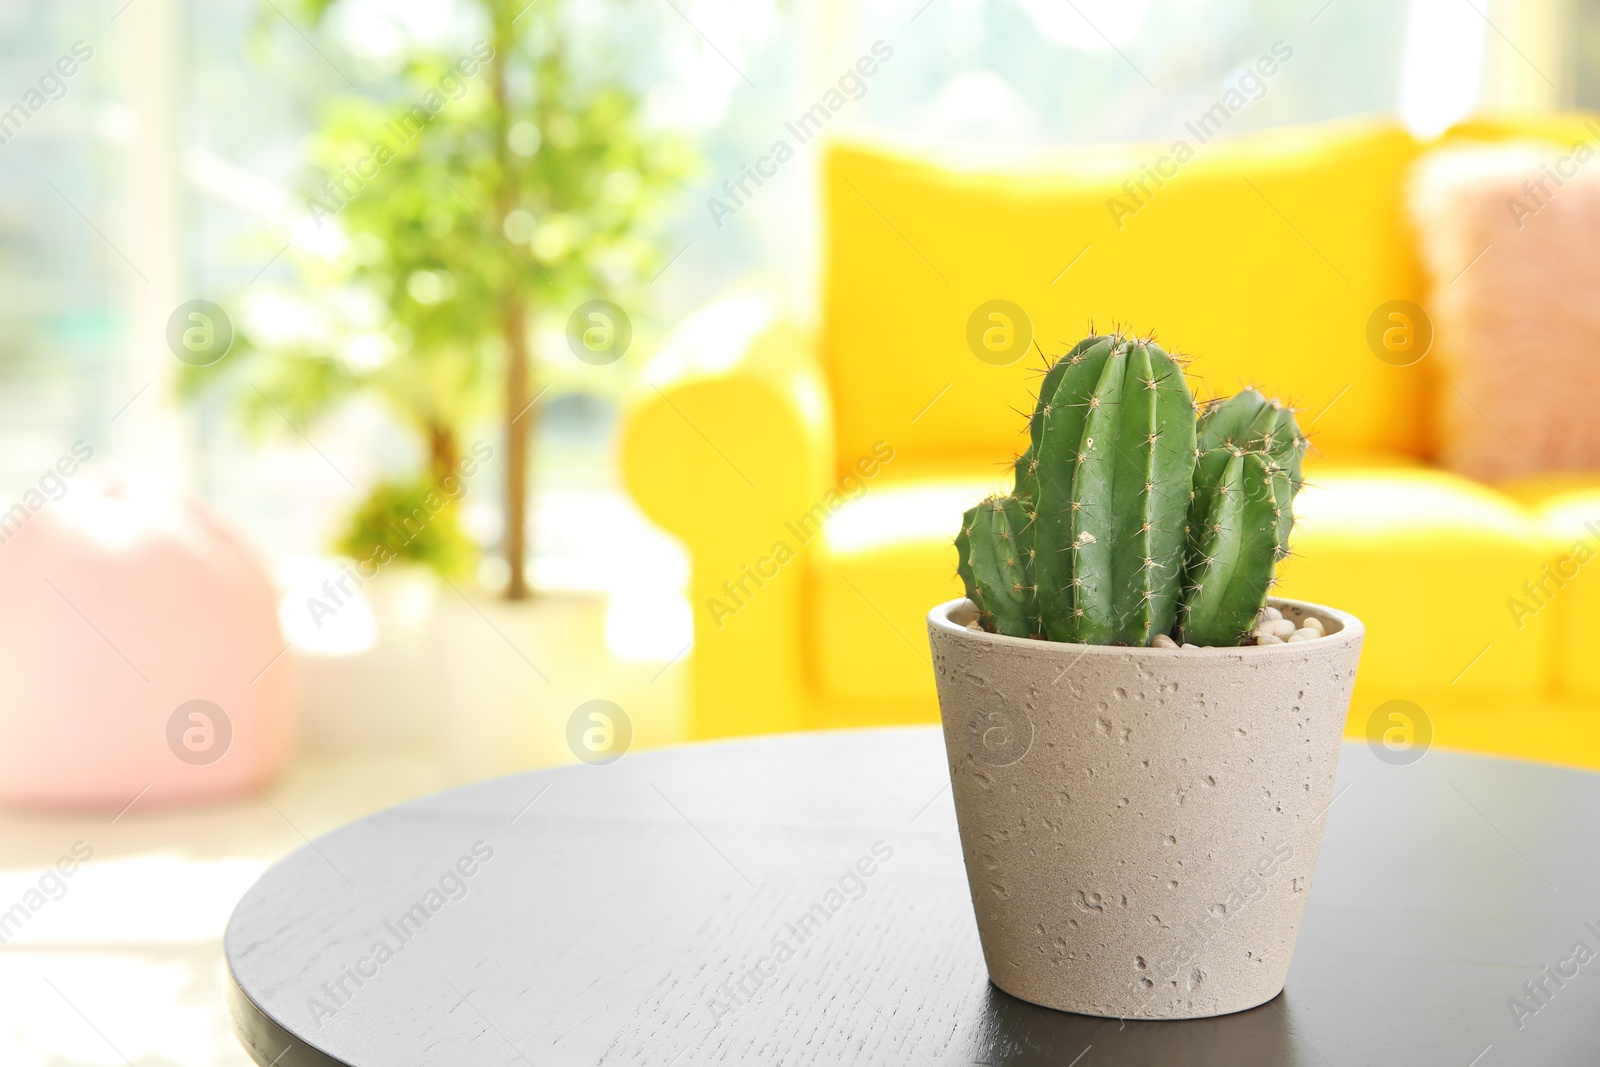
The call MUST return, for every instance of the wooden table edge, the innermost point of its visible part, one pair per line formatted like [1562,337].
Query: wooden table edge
[268,1043]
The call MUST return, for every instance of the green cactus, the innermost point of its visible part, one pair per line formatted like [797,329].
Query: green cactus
[1107,474]
[1233,545]
[998,572]
[1247,473]
[1250,421]
[964,554]
[1129,517]
[1027,464]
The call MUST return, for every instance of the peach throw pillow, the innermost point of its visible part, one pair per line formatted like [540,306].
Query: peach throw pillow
[1510,236]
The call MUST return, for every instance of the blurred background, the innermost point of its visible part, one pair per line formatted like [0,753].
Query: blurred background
[340,338]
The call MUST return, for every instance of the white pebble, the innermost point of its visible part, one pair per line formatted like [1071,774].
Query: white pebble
[1303,635]
[1268,639]
[1277,627]
[1163,641]
[1191,646]
[1269,613]
[1311,622]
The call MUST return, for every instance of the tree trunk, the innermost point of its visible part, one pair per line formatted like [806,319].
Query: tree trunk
[443,454]
[513,314]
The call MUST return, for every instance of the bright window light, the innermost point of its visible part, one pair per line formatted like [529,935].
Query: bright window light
[890,516]
[1441,77]
[318,616]
[649,625]
[1090,25]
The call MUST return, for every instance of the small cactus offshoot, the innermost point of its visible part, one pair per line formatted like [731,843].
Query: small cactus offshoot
[1131,518]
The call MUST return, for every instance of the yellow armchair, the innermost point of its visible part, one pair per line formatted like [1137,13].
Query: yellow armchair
[727,438]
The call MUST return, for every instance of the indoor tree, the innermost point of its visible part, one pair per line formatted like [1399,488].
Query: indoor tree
[498,183]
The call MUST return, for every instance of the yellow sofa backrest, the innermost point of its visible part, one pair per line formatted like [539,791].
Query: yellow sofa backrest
[1262,258]
[1565,128]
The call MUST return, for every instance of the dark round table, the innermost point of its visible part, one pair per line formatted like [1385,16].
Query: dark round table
[801,899]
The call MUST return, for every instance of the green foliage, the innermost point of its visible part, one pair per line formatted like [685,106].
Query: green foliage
[413,521]
[446,223]
[1129,518]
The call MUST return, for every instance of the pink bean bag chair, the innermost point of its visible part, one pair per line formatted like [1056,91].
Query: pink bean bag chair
[141,654]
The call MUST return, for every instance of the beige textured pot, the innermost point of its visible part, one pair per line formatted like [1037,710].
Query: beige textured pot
[1140,825]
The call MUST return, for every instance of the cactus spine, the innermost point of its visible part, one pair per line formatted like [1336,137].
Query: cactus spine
[1128,517]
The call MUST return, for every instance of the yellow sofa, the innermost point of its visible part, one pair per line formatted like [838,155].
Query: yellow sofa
[817,478]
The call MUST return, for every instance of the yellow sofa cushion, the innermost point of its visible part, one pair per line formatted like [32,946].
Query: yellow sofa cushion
[882,562]
[1263,258]
[1424,558]
[1564,593]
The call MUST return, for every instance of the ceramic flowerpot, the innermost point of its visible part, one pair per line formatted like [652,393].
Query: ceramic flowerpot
[1140,825]
[551,680]
[367,665]
[508,671]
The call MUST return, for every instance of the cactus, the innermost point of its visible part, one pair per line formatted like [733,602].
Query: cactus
[1027,464]
[1247,472]
[1233,544]
[1249,420]
[964,556]
[1130,517]
[997,571]
[1101,495]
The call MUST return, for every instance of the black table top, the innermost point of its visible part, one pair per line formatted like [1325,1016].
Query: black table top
[645,913]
